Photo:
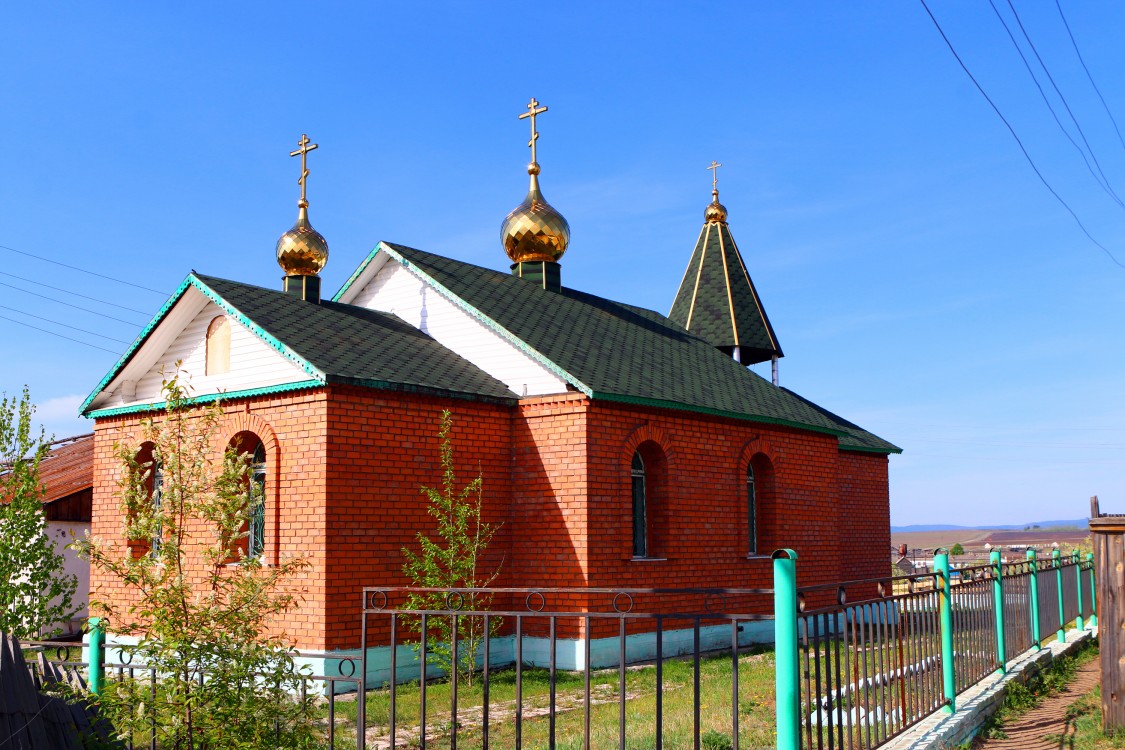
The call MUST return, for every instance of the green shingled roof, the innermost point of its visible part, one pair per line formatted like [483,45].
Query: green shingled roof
[717,300]
[624,353]
[359,346]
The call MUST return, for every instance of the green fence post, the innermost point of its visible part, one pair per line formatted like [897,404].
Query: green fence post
[945,617]
[1093,621]
[1056,561]
[97,654]
[1033,589]
[1079,623]
[785,649]
[998,600]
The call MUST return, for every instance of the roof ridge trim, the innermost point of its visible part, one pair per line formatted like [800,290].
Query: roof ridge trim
[488,322]
[192,280]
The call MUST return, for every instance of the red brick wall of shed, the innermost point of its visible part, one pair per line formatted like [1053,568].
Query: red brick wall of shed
[382,449]
[295,503]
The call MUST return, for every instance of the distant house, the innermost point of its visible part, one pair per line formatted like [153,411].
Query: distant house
[67,477]
[904,565]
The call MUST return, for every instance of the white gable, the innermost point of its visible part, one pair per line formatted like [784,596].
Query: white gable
[182,337]
[398,290]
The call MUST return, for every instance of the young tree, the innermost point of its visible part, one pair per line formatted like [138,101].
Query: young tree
[957,549]
[453,559]
[35,591]
[199,607]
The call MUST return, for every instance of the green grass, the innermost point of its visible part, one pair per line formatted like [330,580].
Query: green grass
[756,707]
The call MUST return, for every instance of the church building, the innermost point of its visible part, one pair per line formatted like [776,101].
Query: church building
[619,447]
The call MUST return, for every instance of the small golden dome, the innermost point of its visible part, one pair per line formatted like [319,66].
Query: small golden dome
[715,212]
[302,251]
[534,230]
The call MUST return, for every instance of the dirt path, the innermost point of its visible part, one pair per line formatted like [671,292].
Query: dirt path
[1049,719]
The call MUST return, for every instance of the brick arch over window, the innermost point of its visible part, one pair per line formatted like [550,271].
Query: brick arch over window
[651,446]
[757,476]
[248,430]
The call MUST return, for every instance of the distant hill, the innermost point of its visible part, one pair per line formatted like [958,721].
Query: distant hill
[1079,522]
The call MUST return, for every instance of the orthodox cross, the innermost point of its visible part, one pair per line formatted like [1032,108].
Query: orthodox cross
[304,150]
[714,175]
[533,109]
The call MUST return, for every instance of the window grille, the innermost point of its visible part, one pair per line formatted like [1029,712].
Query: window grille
[257,532]
[640,521]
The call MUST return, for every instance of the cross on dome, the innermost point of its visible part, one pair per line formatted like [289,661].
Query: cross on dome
[533,109]
[304,150]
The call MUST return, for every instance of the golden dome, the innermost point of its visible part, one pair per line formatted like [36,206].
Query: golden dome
[715,211]
[534,230]
[302,251]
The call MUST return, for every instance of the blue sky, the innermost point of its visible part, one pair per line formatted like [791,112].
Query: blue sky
[921,280]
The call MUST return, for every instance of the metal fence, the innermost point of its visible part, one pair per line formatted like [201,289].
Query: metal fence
[315,692]
[855,663]
[1016,587]
[526,637]
[870,669]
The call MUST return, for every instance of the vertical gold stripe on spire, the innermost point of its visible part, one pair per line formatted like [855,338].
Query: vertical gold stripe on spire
[754,291]
[726,278]
[687,268]
[698,273]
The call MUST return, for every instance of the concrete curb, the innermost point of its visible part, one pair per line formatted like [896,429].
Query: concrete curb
[942,731]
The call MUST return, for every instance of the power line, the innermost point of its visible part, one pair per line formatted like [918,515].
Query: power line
[68,338]
[68,304]
[76,294]
[1058,91]
[1027,66]
[1090,77]
[82,270]
[1011,130]
[64,325]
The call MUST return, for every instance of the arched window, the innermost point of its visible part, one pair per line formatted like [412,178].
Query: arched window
[751,511]
[150,472]
[218,346]
[640,511]
[761,506]
[253,544]
[256,540]
[157,495]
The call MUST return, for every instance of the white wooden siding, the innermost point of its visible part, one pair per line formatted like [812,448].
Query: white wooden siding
[398,290]
[253,362]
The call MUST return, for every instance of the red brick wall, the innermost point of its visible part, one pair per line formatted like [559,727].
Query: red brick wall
[865,502]
[382,448]
[704,499]
[293,428]
[346,465]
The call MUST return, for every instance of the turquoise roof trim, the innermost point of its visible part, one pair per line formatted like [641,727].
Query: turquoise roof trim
[355,274]
[193,281]
[208,398]
[488,322]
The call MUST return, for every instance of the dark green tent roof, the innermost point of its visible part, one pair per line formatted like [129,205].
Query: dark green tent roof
[621,352]
[359,346]
[717,300]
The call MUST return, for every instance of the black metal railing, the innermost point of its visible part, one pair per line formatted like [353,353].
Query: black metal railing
[124,670]
[687,643]
[974,625]
[1016,584]
[869,669]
